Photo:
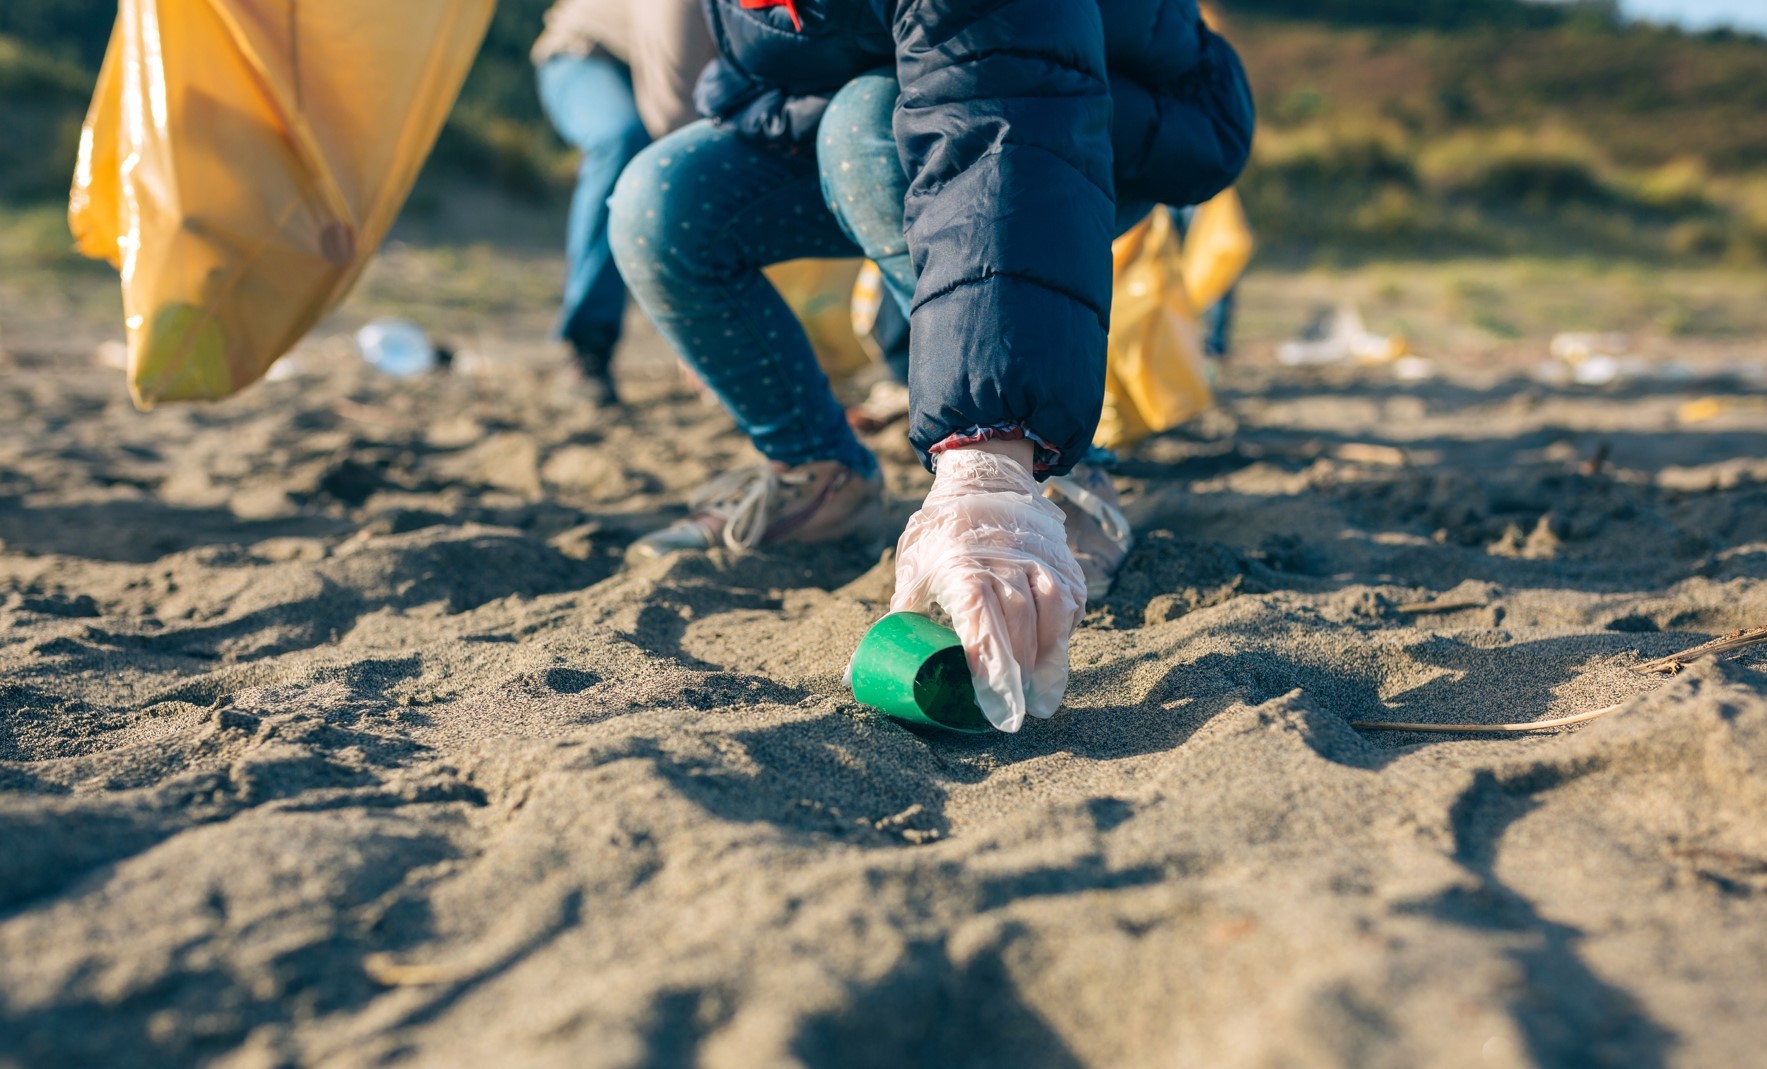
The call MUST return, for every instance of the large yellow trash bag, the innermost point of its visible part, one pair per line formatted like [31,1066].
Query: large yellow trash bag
[96,202]
[1155,375]
[241,161]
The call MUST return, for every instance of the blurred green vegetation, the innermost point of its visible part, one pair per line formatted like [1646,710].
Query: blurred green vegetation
[42,97]
[1388,128]
[1542,130]
[50,51]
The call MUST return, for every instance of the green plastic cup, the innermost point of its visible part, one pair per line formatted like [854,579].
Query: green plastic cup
[910,668]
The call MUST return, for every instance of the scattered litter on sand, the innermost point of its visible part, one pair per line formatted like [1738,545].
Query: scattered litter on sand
[1709,408]
[1335,337]
[1579,345]
[1585,358]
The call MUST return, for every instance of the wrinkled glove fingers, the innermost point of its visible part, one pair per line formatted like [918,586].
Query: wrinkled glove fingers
[1049,677]
[1012,588]
[914,571]
[1059,605]
[996,672]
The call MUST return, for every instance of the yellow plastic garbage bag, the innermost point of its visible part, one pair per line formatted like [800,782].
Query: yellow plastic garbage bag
[1155,375]
[1217,247]
[820,294]
[241,161]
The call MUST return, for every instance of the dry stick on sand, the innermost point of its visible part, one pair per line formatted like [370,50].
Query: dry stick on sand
[1674,662]
[1482,729]
[1446,605]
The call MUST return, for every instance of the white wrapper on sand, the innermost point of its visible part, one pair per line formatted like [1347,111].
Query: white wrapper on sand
[991,551]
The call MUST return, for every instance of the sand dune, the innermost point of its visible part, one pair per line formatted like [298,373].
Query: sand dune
[332,730]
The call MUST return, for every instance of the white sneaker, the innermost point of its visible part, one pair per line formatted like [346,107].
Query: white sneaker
[771,504]
[1098,532]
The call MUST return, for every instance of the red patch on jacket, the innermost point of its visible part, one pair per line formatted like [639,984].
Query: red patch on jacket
[791,8]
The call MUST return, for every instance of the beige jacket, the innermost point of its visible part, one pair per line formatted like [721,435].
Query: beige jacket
[664,42]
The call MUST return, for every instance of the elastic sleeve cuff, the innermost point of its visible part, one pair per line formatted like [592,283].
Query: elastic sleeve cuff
[1043,458]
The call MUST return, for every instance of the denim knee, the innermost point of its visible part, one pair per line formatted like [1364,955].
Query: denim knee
[668,239]
[862,178]
[635,219]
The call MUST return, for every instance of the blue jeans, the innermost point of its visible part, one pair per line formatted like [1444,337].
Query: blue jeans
[589,101]
[694,219]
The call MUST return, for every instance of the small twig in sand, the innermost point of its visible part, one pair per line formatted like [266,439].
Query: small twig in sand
[1674,662]
[1482,729]
[1445,605]
[361,413]
[1598,460]
[388,971]
[1741,638]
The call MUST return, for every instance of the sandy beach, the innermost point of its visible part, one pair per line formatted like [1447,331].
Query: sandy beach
[334,730]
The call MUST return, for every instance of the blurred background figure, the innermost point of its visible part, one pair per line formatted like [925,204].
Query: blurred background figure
[612,75]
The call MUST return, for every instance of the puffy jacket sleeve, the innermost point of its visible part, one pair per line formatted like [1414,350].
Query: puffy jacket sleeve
[1004,129]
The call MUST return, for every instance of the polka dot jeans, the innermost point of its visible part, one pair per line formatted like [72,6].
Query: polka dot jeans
[863,183]
[694,218]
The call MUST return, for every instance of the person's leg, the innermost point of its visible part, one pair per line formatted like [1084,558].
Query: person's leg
[695,218]
[863,183]
[589,101]
[890,331]
[1218,324]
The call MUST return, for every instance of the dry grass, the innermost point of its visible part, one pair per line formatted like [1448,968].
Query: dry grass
[1641,144]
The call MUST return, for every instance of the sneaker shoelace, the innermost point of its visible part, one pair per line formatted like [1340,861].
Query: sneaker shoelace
[744,498]
[1110,518]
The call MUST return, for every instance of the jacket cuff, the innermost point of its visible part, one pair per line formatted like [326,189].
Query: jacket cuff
[1043,456]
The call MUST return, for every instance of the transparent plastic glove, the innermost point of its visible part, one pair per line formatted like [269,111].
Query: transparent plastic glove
[990,550]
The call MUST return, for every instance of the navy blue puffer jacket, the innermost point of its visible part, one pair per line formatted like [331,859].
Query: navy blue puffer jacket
[1020,124]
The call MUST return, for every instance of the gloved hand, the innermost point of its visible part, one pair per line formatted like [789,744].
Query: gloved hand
[990,549]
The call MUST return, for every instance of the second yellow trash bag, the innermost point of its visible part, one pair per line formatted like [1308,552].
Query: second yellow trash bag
[1154,376]
[1217,248]
[820,294]
[242,160]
